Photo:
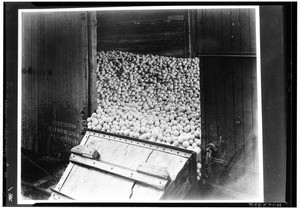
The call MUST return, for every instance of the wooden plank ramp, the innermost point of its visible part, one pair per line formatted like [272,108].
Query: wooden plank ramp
[126,170]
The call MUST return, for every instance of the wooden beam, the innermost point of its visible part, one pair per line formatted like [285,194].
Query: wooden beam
[92,60]
[188,38]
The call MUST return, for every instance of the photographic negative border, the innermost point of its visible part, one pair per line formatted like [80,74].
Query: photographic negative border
[140,8]
[8,104]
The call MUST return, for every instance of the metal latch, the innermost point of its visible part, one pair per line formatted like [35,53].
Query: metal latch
[86,152]
[210,148]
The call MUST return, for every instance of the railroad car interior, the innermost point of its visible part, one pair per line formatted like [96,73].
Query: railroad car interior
[63,57]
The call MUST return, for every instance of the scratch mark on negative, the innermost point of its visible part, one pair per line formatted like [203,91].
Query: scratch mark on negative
[149,156]
[132,190]
[126,149]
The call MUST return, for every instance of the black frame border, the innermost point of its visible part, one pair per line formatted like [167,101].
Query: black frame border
[10,99]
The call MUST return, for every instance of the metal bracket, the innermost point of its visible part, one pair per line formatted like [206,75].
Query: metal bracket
[85,152]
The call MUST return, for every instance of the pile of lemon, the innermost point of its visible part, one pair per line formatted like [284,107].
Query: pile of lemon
[149,97]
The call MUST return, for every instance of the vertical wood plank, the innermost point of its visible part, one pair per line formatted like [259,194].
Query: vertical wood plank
[210,103]
[45,115]
[203,104]
[252,33]
[77,55]
[235,31]
[247,112]
[50,73]
[229,111]
[200,29]
[194,33]
[24,82]
[248,120]
[213,127]
[34,78]
[92,40]
[40,65]
[30,84]
[254,111]
[238,111]
[209,31]
[220,109]
[226,30]
[84,51]
[218,13]
[188,36]
[32,87]
[245,30]
[38,76]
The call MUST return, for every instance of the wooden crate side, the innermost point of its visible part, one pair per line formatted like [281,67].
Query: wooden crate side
[82,179]
[184,182]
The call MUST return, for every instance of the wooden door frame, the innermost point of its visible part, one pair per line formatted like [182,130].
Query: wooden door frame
[92,61]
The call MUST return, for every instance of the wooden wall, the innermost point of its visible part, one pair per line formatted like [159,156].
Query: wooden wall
[57,77]
[227,50]
[54,81]
[229,118]
[225,32]
[161,32]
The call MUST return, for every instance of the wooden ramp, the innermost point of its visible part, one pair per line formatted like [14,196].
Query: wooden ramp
[109,167]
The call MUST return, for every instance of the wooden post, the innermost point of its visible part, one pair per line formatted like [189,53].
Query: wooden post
[188,38]
[92,63]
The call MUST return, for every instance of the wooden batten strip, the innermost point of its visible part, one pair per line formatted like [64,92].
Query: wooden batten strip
[141,143]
